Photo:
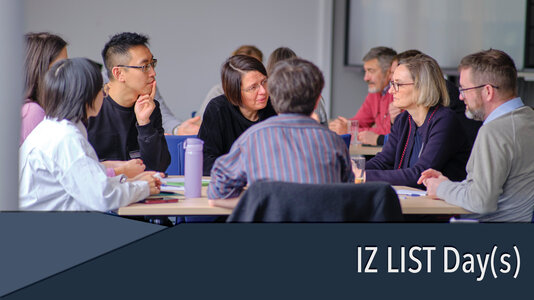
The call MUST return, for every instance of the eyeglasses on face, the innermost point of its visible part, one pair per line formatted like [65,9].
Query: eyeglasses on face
[253,88]
[462,90]
[145,68]
[397,85]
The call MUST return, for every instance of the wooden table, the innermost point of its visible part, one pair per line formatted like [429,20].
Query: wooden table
[359,149]
[200,206]
[427,205]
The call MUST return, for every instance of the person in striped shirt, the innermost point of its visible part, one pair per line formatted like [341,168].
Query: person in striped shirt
[291,146]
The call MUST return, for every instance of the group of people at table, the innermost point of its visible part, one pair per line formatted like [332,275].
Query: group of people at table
[88,144]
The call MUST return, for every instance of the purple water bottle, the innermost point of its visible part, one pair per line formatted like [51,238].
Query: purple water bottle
[193,167]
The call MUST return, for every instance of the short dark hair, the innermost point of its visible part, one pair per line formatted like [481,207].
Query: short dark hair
[115,51]
[69,86]
[294,86]
[232,72]
[278,55]
[42,49]
[492,67]
[384,55]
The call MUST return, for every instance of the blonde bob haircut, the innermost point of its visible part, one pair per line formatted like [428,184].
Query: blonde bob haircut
[428,80]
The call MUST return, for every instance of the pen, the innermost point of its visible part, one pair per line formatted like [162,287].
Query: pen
[160,200]
[411,195]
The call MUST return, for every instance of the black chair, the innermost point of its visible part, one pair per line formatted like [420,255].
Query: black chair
[272,201]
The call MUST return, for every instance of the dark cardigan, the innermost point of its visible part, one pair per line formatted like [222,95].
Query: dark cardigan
[445,148]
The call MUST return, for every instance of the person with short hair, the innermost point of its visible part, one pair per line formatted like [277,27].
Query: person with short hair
[290,147]
[373,116]
[58,169]
[500,172]
[245,102]
[427,134]
[129,124]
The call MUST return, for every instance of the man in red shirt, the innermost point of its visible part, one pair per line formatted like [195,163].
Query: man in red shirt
[374,114]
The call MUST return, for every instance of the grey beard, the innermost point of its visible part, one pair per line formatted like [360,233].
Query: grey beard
[477,115]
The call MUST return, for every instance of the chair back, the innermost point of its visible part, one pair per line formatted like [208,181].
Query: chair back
[346,139]
[275,201]
[175,143]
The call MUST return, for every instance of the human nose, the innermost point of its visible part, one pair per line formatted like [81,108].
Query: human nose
[366,77]
[391,89]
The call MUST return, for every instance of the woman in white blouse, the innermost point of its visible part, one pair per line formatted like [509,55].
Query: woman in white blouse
[59,169]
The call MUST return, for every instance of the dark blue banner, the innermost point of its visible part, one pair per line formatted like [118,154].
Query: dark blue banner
[285,261]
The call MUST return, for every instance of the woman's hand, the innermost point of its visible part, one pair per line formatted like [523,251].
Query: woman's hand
[154,183]
[130,168]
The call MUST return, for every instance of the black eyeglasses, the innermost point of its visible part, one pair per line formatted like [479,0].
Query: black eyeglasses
[396,85]
[145,68]
[475,87]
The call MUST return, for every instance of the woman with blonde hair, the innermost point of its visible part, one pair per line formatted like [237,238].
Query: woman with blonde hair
[427,134]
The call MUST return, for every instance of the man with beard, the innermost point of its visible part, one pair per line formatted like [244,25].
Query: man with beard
[374,115]
[500,172]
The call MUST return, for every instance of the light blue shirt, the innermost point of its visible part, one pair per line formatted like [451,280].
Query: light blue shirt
[504,108]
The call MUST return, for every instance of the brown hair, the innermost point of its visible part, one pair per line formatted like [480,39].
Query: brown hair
[232,72]
[250,51]
[278,55]
[41,50]
[493,67]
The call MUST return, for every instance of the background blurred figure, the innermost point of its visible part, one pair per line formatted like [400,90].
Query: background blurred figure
[59,170]
[217,89]
[426,134]
[42,51]
[373,116]
[245,102]
[283,53]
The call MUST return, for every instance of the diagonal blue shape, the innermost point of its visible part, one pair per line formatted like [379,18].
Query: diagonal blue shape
[36,245]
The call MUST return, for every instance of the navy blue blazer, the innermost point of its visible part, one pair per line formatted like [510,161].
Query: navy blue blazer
[445,148]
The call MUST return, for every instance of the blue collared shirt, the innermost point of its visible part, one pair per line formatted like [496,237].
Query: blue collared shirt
[504,108]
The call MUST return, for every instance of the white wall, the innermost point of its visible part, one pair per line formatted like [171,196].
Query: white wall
[190,39]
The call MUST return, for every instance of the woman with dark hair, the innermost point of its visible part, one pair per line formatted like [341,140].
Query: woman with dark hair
[245,102]
[59,170]
[427,134]
[42,51]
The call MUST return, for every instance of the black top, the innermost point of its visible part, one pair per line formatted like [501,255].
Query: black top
[222,124]
[115,135]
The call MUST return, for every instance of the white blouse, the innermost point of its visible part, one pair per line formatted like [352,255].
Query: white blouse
[59,170]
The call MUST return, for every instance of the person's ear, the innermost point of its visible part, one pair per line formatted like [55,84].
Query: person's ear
[489,92]
[117,74]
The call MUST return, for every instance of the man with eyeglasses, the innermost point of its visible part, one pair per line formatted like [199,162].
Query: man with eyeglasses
[373,116]
[500,172]
[129,124]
